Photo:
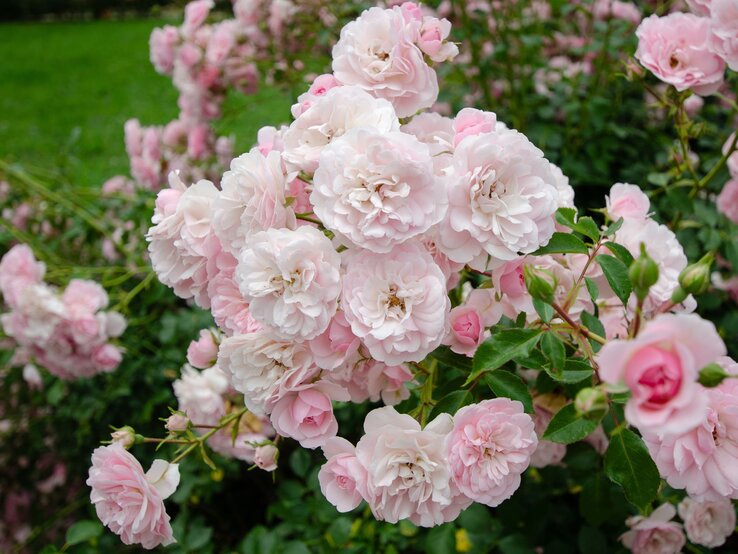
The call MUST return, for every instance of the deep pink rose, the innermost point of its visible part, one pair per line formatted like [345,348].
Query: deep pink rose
[660,367]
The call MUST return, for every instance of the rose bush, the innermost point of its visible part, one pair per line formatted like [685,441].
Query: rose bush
[371,252]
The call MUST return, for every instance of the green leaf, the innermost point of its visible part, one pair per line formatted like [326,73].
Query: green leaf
[554,350]
[594,290]
[441,540]
[584,225]
[451,359]
[620,252]
[563,243]
[83,531]
[300,462]
[628,463]
[616,273]
[594,500]
[595,325]
[533,360]
[451,403]
[613,227]
[502,347]
[545,311]
[575,371]
[567,426]
[295,547]
[509,385]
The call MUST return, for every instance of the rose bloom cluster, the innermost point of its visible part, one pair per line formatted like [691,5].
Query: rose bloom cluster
[68,332]
[206,396]
[326,257]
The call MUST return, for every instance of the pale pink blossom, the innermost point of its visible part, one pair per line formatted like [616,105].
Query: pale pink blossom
[467,330]
[708,523]
[489,448]
[252,199]
[396,303]
[675,48]
[130,502]
[702,460]
[331,116]
[700,7]
[408,475]
[663,247]
[342,478]
[265,457]
[660,367]
[196,13]
[470,122]
[367,379]
[182,240]
[18,270]
[437,132]
[377,52]
[162,46]
[724,31]
[627,201]
[228,306]
[319,87]
[433,39]
[377,189]
[693,105]
[336,344]
[264,369]
[291,280]
[203,352]
[306,413]
[655,534]
[502,200]
[200,394]
[727,200]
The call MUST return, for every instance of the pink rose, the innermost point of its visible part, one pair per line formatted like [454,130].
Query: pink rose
[376,52]
[489,448]
[107,357]
[627,201]
[18,270]
[655,534]
[396,303]
[433,40]
[336,344]
[408,474]
[727,200]
[130,502]
[467,330]
[82,297]
[342,478]
[724,31]
[469,122]
[708,523]
[162,46]
[203,353]
[195,14]
[265,457]
[693,105]
[306,413]
[702,460]
[660,367]
[675,49]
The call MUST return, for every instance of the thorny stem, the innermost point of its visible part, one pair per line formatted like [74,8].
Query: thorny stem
[575,289]
[574,325]
[307,217]
[202,438]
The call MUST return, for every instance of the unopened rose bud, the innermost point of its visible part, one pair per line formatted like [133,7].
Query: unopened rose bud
[591,403]
[540,283]
[266,457]
[643,273]
[176,423]
[712,375]
[695,278]
[126,436]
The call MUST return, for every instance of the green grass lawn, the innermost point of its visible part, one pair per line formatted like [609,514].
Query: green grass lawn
[67,88]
